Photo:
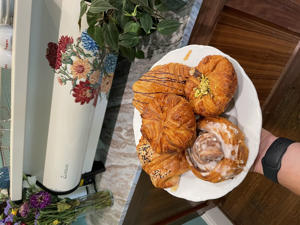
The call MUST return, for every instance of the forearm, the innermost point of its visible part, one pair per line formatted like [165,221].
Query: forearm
[289,172]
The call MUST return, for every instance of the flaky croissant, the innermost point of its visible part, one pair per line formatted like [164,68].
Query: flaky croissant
[164,169]
[219,152]
[212,85]
[162,79]
[169,124]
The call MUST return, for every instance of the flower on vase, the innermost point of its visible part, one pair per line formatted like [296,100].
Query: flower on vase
[80,68]
[58,60]
[110,63]
[51,55]
[106,82]
[64,42]
[60,81]
[40,200]
[88,42]
[77,59]
[83,92]
[94,77]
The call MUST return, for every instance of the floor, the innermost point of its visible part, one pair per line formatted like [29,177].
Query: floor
[196,221]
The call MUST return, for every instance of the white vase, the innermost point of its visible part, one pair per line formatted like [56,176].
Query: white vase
[70,121]
[6,36]
[53,137]
[5,58]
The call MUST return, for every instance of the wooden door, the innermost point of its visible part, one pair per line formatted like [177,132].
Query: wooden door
[264,36]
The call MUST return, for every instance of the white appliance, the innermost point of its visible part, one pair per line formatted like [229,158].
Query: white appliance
[52,137]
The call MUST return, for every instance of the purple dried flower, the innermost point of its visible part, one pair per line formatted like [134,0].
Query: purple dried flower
[40,200]
[24,209]
[7,208]
[9,218]
[37,215]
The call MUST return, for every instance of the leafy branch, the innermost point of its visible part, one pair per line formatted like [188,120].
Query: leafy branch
[118,26]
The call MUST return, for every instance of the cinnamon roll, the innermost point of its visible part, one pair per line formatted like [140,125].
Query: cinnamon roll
[219,152]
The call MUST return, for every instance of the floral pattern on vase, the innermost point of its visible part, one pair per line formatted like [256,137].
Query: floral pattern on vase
[80,62]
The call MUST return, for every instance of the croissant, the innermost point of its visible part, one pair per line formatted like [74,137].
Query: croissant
[219,152]
[212,85]
[164,169]
[162,79]
[169,124]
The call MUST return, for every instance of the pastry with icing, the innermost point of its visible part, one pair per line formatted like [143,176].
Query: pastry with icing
[219,152]
[163,79]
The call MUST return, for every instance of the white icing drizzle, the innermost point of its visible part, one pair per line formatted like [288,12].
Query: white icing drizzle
[216,128]
[227,148]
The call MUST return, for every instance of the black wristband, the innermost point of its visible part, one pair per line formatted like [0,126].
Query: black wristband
[271,162]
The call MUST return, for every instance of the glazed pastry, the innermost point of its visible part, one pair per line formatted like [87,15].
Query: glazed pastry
[212,85]
[162,79]
[219,152]
[164,169]
[169,124]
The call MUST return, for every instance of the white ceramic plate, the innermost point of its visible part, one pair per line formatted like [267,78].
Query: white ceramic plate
[245,113]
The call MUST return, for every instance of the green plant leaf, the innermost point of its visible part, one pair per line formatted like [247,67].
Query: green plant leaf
[91,31]
[128,6]
[116,3]
[129,53]
[135,10]
[96,33]
[140,54]
[161,7]
[140,2]
[111,36]
[83,8]
[99,6]
[132,27]
[91,18]
[99,37]
[122,20]
[173,5]
[129,40]
[151,3]
[146,22]
[167,26]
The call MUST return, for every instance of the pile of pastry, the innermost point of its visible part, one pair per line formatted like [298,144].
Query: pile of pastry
[182,128]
